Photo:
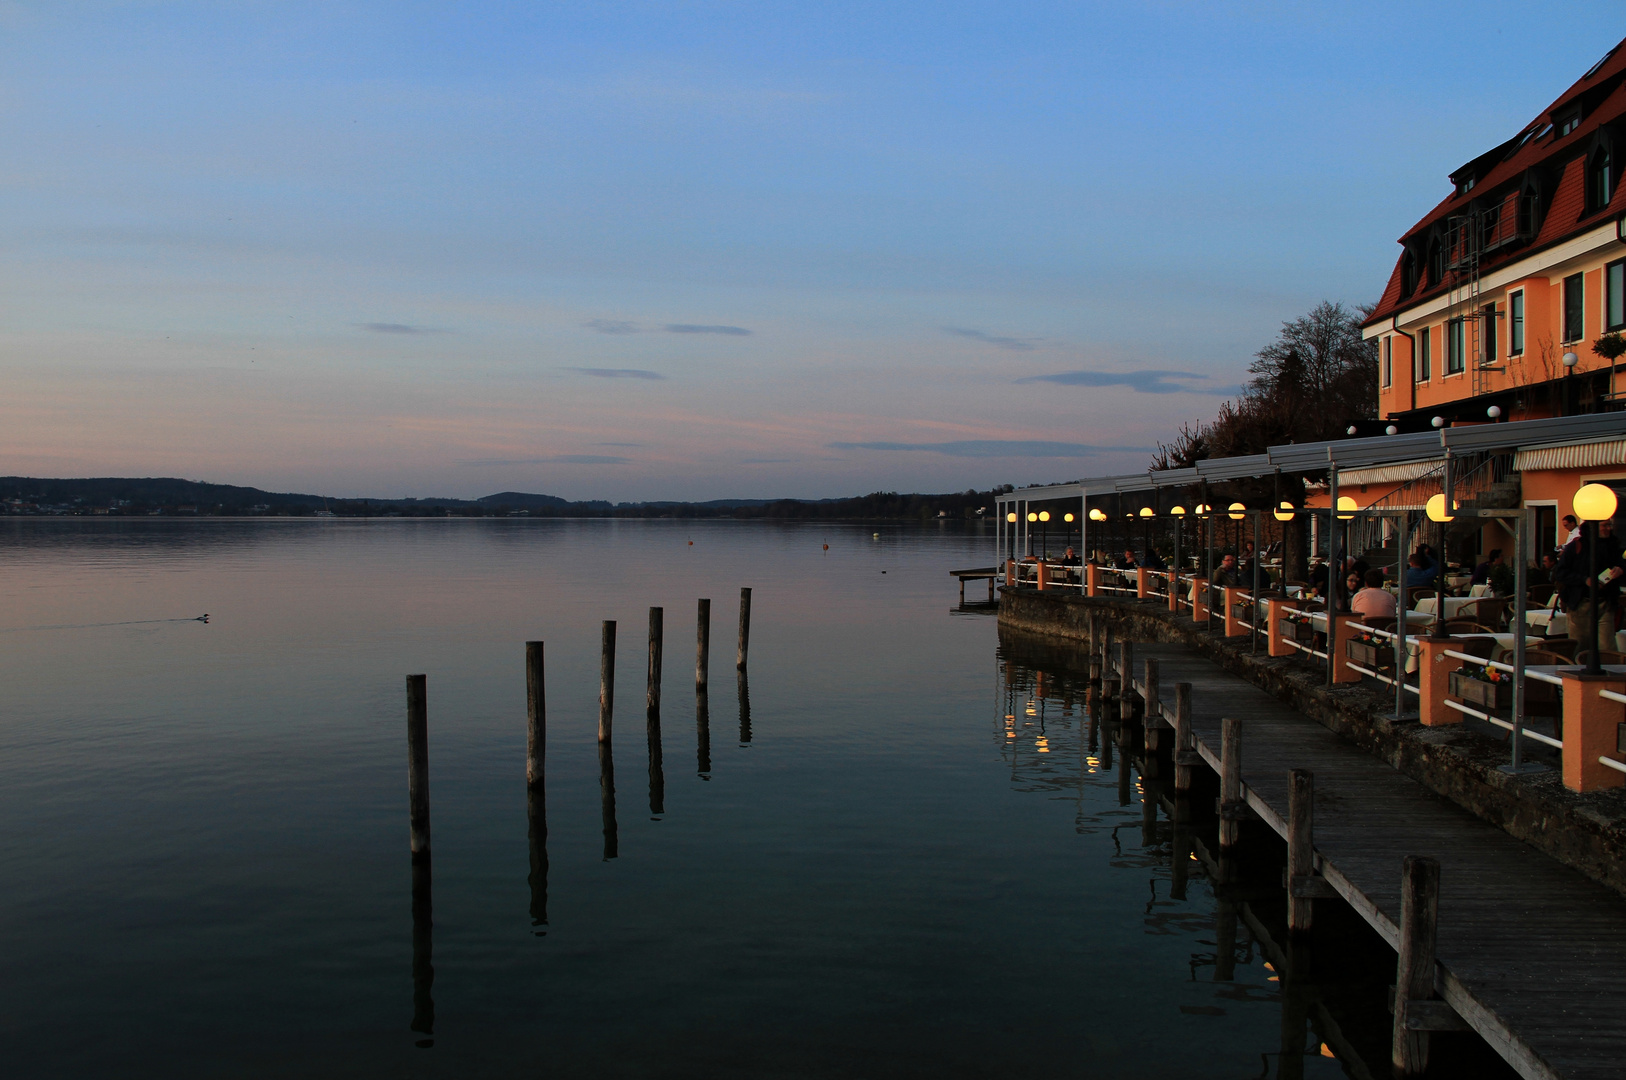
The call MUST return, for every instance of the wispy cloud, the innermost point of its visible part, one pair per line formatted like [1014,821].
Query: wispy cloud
[690,328]
[400,328]
[624,326]
[1014,344]
[556,459]
[994,448]
[618,444]
[1142,382]
[769,461]
[618,373]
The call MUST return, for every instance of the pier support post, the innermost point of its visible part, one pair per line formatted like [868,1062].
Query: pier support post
[745,629]
[1153,716]
[1179,847]
[702,644]
[652,689]
[418,764]
[1185,745]
[1095,648]
[1231,805]
[606,679]
[1300,849]
[1414,969]
[1126,666]
[536,716]
[1225,920]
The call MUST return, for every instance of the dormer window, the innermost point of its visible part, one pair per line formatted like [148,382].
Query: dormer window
[1408,274]
[1465,185]
[1600,180]
[1568,122]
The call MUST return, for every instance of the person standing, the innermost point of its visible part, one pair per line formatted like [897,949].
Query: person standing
[1574,584]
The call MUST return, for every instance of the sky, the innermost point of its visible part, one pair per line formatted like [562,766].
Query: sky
[702,250]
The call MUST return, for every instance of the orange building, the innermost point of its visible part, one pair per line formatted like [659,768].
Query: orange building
[1510,295]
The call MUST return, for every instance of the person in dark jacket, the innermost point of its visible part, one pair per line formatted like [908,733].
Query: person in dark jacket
[1482,572]
[1574,587]
[1421,570]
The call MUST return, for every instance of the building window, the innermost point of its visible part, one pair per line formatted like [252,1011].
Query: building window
[1423,353]
[1614,299]
[1454,351]
[1600,181]
[1388,360]
[1487,331]
[1515,324]
[1568,123]
[1574,308]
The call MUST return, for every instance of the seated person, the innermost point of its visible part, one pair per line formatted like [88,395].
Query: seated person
[1128,561]
[1543,574]
[1225,575]
[1154,561]
[1070,558]
[1482,572]
[1373,600]
[1421,571]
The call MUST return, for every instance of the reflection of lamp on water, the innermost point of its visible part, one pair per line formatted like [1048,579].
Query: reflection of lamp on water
[1594,503]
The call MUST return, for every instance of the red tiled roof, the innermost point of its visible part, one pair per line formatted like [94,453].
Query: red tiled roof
[1565,215]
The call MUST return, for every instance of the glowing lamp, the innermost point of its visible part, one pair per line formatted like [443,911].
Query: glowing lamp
[1594,503]
[1346,503]
[1147,511]
[1098,514]
[1044,515]
[1391,430]
[1177,511]
[1283,512]
[1203,508]
[1032,516]
[1237,511]
[1011,516]
[1436,509]
[1067,518]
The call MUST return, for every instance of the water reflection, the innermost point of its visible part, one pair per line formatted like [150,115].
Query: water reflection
[745,707]
[536,813]
[606,788]
[702,729]
[657,773]
[423,949]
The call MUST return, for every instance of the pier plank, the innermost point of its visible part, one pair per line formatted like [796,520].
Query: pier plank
[1531,953]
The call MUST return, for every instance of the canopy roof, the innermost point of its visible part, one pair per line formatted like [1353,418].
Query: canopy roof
[1345,453]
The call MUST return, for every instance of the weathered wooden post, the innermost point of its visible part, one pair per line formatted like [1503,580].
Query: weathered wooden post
[418,764]
[1123,764]
[657,633]
[1154,710]
[606,789]
[745,627]
[1095,648]
[1184,742]
[1126,665]
[606,680]
[702,633]
[1180,847]
[1231,804]
[536,716]
[1414,970]
[1224,938]
[1300,849]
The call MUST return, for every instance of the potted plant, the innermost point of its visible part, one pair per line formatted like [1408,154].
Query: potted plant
[1295,626]
[1370,650]
[1482,685]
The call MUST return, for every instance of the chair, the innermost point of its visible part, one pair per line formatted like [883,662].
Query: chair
[1562,647]
[1538,595]
[1489,610]
[1466,626]
[1605,656]
[1380,622]
[1481,647]
[1546,657]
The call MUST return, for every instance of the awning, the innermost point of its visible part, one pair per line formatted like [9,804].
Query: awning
[1398,473]
[1585,455]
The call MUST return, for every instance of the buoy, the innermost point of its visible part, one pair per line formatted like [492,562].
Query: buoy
[691,543]
[827,547]
[877,536]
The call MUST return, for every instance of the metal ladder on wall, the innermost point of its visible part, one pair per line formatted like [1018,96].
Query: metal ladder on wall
[1466,240]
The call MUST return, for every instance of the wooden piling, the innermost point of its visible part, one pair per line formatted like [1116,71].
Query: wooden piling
[418,763]
[1300,849]
[1225,921]
[1231,805]
[606,788]
[652,691]
[606,680]
[1126,664]
[1179,847]
[745,627]
[702,634]
[1185,743]
[1414,970]
[702,732]
[1153,714]
[745,705]
[536,715]
[536,835]
[1095,648]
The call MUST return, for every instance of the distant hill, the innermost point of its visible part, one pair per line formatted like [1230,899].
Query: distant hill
[131,496]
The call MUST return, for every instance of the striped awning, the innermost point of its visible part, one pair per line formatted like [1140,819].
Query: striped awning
[1397,473]
[1584,455]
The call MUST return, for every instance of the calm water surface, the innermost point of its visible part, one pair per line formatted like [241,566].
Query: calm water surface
[204,850]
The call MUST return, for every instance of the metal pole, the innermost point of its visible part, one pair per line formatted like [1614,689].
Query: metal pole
[1521,552]
[1335,570]
[1593,667]
[1401,539]
[1253,599]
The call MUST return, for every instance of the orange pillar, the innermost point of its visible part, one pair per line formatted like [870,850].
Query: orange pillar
[1173,581]
[1233,625]
[1092,580]
[1010,573]
[1199,599]
[1041,575]
[1275,644]
[1434,670]
[1344,627]
[1141,577]
[1591,730]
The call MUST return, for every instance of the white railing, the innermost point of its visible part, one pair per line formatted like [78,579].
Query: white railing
[1556,744]
[1540,676]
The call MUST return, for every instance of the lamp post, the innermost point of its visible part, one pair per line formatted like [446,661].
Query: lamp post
[1593,503]
[1067,538]
[1570,360]
[1011,519]
[1044,534]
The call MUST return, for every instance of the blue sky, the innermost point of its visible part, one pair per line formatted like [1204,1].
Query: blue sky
[696,250]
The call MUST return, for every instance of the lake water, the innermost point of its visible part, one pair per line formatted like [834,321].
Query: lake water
[204,851]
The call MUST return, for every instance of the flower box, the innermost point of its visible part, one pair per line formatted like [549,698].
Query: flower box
[1487,695]
[1380,656]
[1293,630]
[1243,612]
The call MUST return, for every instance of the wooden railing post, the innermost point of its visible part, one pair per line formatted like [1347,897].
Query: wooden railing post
[1231,804]
[1153,716]
[1185,745]
[1414,968]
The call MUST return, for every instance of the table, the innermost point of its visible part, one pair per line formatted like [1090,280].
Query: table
[1453,605]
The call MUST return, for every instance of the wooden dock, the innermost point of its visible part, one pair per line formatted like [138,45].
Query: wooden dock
[1530,954]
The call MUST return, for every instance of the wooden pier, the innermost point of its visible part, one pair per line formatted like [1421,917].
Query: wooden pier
[1530,953]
